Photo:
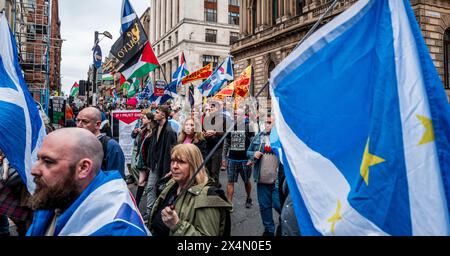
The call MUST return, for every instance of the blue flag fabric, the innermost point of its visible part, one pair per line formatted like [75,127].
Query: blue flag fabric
[365,126]
[170,91]
[104,208]
[21,129]
[214,83]
[128,15]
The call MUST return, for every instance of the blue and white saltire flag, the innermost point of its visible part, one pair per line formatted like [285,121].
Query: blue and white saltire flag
[105,208]
[147,92]
[21,127]
[170,91]
[128,15]
[115,97]
[365,126]
[213,84]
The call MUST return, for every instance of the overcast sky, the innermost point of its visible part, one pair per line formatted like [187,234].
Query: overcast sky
[79,21]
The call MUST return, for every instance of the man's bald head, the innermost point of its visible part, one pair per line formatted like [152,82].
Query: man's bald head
[90,119]
[79,143]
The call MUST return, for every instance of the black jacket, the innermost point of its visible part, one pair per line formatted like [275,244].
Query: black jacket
[158,157]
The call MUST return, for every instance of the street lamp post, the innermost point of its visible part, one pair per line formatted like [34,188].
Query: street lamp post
[94,69]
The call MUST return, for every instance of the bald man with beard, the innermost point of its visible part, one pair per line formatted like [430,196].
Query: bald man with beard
[73,197]
[90,119]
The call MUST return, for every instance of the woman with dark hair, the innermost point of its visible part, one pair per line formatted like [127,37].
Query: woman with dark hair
[188,205]
[142,140]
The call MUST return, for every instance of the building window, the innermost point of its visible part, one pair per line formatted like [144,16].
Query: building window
[447,59]
[159,50]
[253,8]
[233,2]
[169,42]
[211,1]
[211,15]
[164,46]
[211,36]
[234,36]
[233,18]
[274,11]
[176,37]
[209,58]
[299,6]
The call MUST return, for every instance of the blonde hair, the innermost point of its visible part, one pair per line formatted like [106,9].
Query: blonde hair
[198,136]
[191,154]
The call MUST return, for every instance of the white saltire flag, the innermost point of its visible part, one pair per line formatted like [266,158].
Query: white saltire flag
[365,126]
[21,128]
[213,84]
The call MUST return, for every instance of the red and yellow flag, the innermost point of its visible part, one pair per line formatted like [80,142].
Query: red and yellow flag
[202,73]
[225,92]
[242,84]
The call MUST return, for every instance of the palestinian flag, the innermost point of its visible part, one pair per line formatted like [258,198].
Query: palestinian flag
[200,74]
[143,64]
[107,77]
[75,89]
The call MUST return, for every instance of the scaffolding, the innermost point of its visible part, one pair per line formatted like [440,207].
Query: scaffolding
[33,32]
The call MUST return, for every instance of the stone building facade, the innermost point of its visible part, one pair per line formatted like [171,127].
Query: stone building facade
[270,30]
[202,29]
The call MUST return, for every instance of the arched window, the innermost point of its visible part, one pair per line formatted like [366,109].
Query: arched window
[447,59]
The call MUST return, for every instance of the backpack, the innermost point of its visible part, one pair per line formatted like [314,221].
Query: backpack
[104,140]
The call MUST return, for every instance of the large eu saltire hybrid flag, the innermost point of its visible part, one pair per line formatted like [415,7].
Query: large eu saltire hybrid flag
[21,128]
[365,126]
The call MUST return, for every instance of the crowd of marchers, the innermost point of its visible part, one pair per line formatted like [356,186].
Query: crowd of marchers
[170,146]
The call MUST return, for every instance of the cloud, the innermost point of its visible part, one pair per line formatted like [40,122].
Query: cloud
[79,21]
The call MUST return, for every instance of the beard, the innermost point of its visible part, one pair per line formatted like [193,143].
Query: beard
[59,196]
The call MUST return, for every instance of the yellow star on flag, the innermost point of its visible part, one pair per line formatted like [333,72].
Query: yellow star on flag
[428,136]
[368,160]
[336,217]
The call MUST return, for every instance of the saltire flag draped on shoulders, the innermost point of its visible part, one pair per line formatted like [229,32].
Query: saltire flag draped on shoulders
[104,208]
[365,126]
[74,90]
[200,74]
[223,73]
[21,129]
[128,15]
[141,65]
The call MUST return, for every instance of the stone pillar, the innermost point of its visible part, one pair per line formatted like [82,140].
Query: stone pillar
[168,15]
[158,19]
[241,17]
[152,21]
[174,12]
[286,8]
[258,13]
[163,17]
